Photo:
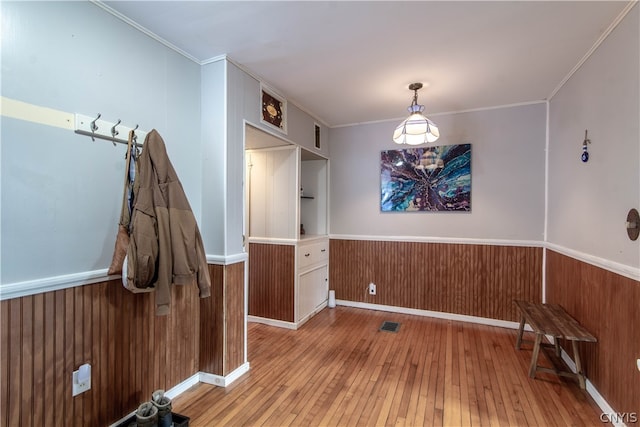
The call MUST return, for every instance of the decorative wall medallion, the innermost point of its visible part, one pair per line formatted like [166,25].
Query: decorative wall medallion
[273,110]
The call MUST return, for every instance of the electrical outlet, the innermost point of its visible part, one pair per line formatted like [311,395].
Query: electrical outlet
[372,289]
[81,380]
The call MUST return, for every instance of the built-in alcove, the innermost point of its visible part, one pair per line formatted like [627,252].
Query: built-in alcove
[286,223]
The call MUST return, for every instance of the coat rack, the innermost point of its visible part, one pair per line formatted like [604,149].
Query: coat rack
[96,127]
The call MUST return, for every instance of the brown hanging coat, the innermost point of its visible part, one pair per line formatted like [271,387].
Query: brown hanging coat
[165,244]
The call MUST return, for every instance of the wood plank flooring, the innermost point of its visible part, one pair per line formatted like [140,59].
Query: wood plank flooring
[340,370]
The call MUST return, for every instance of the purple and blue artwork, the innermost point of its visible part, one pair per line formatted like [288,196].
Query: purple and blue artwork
[426,179]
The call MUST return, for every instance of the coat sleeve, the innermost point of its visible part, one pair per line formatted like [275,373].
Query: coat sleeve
[204,280]
[165,263]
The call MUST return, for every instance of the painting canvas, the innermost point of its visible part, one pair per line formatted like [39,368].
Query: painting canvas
[426,179]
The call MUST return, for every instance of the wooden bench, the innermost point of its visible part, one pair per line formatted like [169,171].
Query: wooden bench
[552,320]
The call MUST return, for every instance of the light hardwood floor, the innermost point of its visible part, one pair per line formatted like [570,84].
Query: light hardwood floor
[340,370]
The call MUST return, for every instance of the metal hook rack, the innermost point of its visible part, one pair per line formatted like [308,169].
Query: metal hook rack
[96,127]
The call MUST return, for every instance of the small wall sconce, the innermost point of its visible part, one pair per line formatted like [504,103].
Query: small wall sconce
[633,224]
[585,153]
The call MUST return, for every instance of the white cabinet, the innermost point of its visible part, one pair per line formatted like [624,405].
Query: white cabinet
[313,292]
[312,253]
[313,278]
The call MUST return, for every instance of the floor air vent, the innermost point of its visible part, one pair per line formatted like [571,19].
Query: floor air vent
[390,326]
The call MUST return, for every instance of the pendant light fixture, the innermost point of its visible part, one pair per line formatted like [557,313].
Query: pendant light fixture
[416,129]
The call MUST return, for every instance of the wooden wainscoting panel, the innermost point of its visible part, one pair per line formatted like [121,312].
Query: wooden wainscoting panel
[474,280]
[271,281]
[45,337]
[4,364]
[183,360]
[212,324]
[608,305]
[222,321]
[234,317]
[14,362]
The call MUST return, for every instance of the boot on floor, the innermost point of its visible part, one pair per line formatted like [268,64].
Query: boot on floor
[147,415]
[163,403]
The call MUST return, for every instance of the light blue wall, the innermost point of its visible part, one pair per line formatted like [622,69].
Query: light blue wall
[213,156]
[588,202]
[61,192]
[507,178]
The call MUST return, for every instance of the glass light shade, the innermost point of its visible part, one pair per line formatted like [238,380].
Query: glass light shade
[415,130]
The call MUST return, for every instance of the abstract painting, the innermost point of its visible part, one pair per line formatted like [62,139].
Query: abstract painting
[426,179]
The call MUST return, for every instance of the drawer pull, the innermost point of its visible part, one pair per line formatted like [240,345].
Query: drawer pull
[307,254]
[323,250]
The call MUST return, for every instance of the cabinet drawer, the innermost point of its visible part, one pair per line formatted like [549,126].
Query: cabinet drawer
[314,253]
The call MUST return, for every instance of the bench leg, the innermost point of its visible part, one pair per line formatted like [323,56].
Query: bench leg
[520,331]
[576,356]
[534,356]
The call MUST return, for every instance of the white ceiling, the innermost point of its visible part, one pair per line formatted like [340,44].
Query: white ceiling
[351,62]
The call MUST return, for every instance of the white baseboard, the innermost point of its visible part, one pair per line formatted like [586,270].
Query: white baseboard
[171,394]
[287,325]
[607,410]
[317,310]
[436,314]
[183,386]
[273,322]
[221,381]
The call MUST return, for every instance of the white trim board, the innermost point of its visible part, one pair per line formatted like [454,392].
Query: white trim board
[593,48]
[227,259]
[284,324]
[272,322]
[605,264]
[434,239]
[607,410]
[198,377]
[224,381]
[36,114]
[444,113]
[435,314]
[144,30]
[55,283]
[171,394]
